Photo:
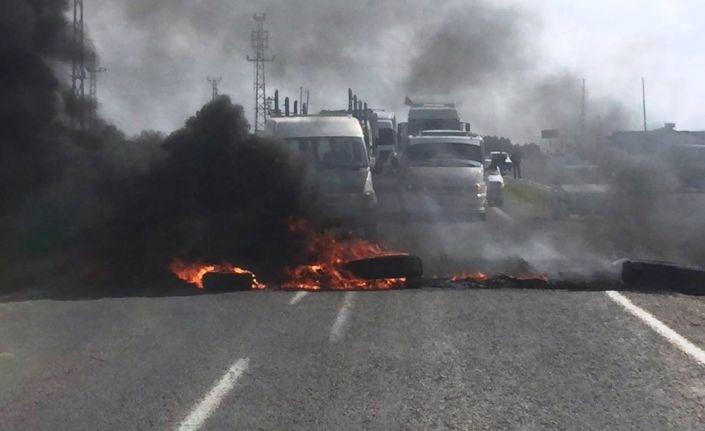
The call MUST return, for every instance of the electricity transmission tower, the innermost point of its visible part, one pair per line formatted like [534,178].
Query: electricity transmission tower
[78,63]
[260,44]
[93,72]
[214,84]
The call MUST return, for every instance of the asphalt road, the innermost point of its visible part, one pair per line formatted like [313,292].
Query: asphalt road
[421,359]
[415,359]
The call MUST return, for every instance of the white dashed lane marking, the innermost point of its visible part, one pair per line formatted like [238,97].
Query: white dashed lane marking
[298,297]
[336,331]
[205,408]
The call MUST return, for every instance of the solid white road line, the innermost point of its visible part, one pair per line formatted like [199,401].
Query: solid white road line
[336,331]
[659,327]
[205,408]
[298,297]
[503,215]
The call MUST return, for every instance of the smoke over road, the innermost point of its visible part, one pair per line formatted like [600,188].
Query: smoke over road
[125,206]
[485,54]
[212,191]
[219,195]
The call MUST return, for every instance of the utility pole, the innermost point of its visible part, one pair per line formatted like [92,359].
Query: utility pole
[214,84]
[260,44]
[582,115]
[301,98]
[78,63]
[643,100]
[93,72]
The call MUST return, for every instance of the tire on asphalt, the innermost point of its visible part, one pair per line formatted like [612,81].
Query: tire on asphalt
[226,282]
[388,266]
[664,275]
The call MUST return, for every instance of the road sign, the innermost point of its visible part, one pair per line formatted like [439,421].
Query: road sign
[549,134]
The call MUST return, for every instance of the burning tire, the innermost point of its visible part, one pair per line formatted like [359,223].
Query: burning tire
[384,267]
[227,282]
[654,274]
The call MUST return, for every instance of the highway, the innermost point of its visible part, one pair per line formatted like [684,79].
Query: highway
[417,359]
[453,358]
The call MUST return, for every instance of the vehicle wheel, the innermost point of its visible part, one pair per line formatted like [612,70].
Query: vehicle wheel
[482,216]
[389,266]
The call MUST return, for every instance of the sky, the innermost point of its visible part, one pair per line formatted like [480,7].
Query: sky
[516,66]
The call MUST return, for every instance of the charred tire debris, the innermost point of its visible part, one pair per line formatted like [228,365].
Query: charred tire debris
[227,282]
[388,266]
[658,275]
[636,275]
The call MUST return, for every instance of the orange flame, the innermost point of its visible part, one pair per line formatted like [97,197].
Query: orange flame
[193,272]
[529,276]
[474,276]
[329,255]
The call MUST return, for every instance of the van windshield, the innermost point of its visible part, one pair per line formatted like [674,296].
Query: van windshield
[325,152]
[445,154]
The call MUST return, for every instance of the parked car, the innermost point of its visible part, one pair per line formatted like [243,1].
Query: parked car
[499,159]
[495,188]
[334,149]
[443,176]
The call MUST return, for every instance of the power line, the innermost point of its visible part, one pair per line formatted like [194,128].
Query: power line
[260,44]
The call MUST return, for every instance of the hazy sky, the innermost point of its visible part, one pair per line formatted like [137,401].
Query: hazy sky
[159,53]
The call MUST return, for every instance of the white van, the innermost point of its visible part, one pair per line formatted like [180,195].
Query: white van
[443,176]
[334,148]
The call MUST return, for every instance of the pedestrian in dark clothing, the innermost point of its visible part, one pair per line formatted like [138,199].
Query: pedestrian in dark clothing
[516,163]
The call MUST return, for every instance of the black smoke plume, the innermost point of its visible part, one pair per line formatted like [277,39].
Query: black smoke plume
[95,202]
[32,33]
[220,194]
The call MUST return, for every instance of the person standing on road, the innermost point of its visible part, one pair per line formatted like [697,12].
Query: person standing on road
[516,163]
